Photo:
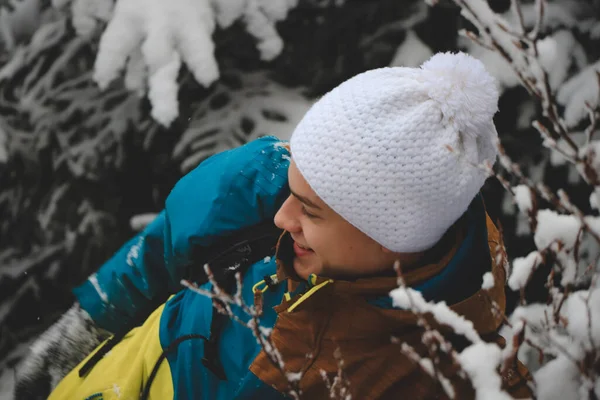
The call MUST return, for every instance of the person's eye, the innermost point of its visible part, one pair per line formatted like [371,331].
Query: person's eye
[305,212]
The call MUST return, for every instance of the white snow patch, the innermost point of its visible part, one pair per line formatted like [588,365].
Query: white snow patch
[94,281]
[582,310]
[594,199]
[134,251]
[141,221]
[552,227]
[523,198]
[479,361]
[410,299]
[412,52]
[170,33]
[293,376]
[569,267]
[87,14]
[522,269]
[488,281]
[557,380]
[117,390]
[577,91]
[167,33]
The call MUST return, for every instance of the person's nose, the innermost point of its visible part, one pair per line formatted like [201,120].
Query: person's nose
[287,216]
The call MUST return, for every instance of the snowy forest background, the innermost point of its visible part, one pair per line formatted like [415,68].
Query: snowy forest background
[103,107]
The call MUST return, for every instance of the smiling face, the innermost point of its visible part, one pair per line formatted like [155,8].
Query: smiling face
[326,244]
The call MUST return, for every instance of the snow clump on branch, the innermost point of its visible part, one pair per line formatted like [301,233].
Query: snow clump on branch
[151,38]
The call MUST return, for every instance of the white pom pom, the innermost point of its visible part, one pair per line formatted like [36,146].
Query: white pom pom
[466,93]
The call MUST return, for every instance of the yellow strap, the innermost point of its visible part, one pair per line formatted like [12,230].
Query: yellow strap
[308,294]
[256,289]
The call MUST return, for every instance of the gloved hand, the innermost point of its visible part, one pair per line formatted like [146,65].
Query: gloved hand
[56,353]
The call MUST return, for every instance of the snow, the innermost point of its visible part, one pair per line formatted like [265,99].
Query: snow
[558,159]
[135,251]
[293,376]
[480,361]
[88,14]
[591,153]
[227,12]
[136,74]
[569,268]
[167,32]
[594,199]
[116,390]
[552,227]
[557,53]
[494,64]
[412,52]
[558,380]
[488,281]
[522,269]
[20,22]
[577,91]
[152,38]
[140,221]
[257,23]
[163,87]
[523,198]
[260,18]
[533,314]
[94,281]
[410,299]
[582,327]
[565,340]
[212,131]
[563,13]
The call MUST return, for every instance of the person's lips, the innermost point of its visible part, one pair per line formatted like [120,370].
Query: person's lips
[301,251]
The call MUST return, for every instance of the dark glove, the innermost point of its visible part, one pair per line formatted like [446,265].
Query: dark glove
[57,351]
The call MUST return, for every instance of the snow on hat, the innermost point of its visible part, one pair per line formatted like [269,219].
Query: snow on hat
[375,148]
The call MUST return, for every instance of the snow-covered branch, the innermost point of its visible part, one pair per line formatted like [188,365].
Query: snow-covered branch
[563,332]
[150,40]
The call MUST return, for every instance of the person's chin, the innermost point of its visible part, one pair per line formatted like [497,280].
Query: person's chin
[304,268]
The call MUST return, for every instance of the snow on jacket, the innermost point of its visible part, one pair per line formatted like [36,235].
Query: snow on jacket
[309,319]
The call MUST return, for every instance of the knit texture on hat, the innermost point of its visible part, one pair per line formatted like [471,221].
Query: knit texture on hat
[376,149]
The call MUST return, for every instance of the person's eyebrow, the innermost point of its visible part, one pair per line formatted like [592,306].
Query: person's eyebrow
[305,200]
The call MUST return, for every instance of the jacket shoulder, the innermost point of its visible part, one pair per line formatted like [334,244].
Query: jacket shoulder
[230,191]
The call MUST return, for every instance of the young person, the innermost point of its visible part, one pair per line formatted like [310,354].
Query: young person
[382,170]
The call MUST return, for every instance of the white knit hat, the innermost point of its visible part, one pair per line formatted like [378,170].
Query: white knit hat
[375,149]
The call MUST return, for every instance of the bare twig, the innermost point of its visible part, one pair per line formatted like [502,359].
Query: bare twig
[264,340]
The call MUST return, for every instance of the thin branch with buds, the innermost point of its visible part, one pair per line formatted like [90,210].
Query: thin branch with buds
[261,335]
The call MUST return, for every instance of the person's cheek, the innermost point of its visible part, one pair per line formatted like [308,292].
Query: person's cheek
[326,248]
